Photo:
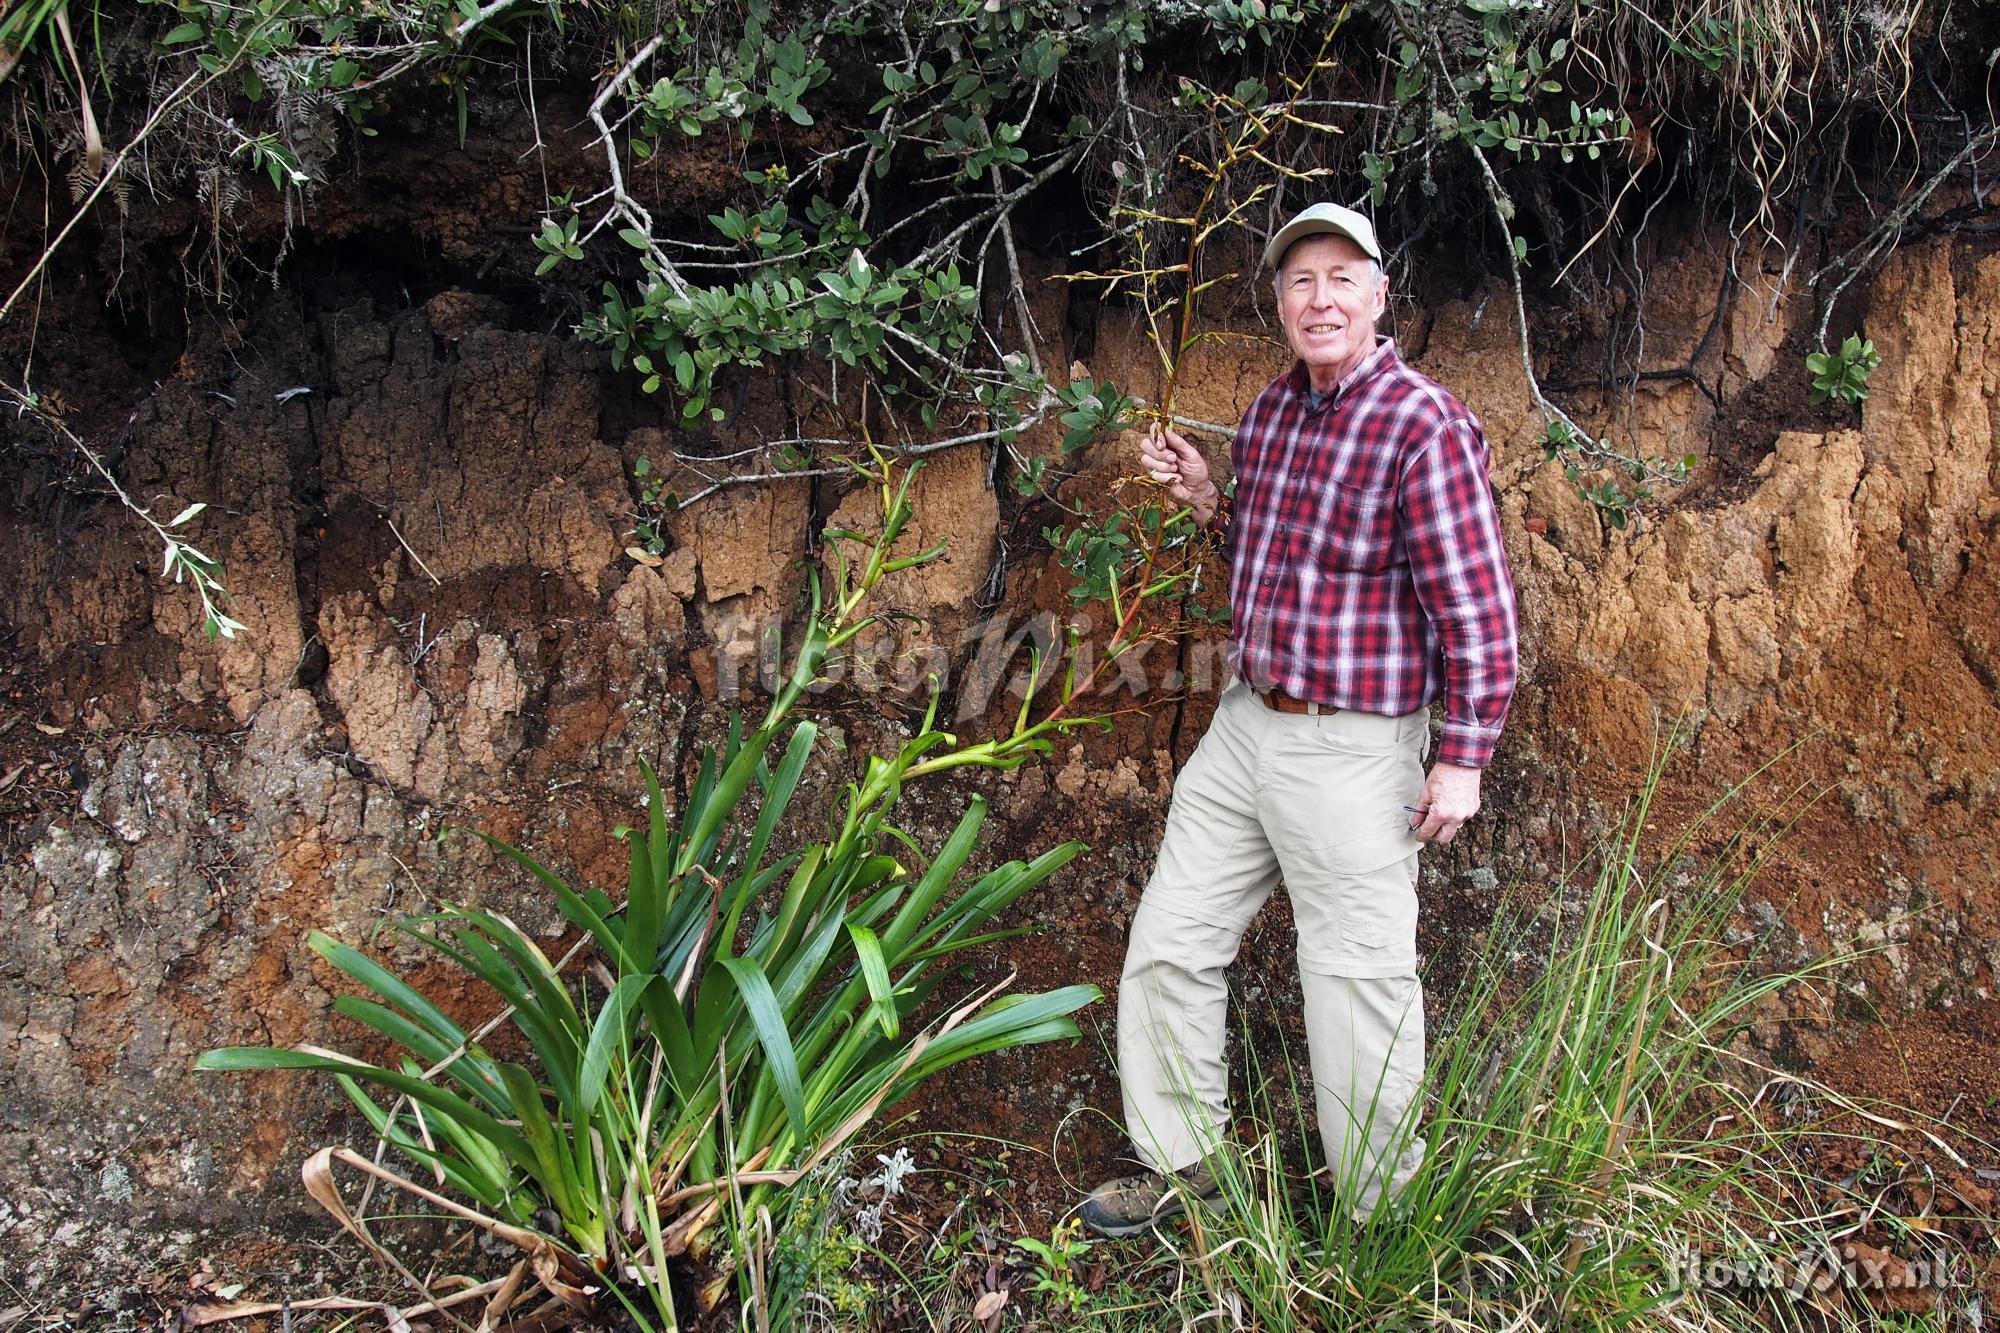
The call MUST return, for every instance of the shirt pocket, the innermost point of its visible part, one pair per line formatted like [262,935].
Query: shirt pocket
[1357,529]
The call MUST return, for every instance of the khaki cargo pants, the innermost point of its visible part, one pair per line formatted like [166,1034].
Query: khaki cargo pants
[1316,801]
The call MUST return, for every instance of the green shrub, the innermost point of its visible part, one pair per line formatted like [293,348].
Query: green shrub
[1843,374]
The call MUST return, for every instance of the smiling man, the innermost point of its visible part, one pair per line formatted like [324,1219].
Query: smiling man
[1367,580]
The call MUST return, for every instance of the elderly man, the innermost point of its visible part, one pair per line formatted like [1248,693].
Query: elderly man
[1366,579]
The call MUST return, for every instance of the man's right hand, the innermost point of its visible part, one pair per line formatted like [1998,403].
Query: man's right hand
[1179,466]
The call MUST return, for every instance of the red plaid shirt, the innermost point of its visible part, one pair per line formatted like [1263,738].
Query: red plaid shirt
[1366,570]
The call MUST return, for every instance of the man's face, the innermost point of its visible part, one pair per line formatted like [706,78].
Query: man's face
[1329,296]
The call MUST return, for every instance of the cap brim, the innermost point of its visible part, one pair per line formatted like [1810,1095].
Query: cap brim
[1300,228]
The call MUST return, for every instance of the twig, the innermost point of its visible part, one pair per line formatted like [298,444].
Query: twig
[200,1316]
[534,115]
[1886,231]
[1209,427]
[412,550]
[1000,205]
[182,560]
[1040,410]
[622,203]
[1029,334]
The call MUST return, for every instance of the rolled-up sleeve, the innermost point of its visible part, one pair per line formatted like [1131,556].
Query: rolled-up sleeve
[1451,534]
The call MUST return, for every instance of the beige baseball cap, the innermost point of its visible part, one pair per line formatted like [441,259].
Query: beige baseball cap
[1324,219]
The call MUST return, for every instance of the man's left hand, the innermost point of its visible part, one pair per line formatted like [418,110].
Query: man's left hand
[1450,797]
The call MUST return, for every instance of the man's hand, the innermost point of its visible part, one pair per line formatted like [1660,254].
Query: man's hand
[1450,797]
[1178,465]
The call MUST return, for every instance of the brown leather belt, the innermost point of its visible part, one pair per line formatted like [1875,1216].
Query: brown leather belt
[1278,701]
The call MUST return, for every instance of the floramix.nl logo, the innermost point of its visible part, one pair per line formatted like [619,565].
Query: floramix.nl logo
[1814,1269]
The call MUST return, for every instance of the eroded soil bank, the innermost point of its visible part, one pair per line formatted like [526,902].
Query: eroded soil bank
[422,489]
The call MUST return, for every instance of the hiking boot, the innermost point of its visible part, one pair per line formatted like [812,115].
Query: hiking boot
[1130,1205]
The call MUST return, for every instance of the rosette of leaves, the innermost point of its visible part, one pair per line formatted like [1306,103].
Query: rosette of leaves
[742,1012]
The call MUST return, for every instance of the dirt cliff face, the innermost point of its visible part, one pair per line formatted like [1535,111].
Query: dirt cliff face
[428,544]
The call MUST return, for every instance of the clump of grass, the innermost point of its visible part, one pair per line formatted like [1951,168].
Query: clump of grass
[1592,1139]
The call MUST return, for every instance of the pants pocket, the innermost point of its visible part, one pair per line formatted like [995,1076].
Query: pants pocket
[1334,806]
[1356,911]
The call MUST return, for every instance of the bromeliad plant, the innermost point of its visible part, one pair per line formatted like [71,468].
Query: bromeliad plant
[740,1015]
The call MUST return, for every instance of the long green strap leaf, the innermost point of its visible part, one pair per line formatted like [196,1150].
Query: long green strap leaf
[1019,1021]
[508,1140]
[557,1171]
[687,932]
[707,823]
[876,971]
[765,1016]
[555,1007]
[548,1015]
[610,1038]
[469,1068]
[1006,1020]
[966,942]
[551,1042]
[714,1008]
[794,901]
[777,798]
[670,1026]
[778,791]
[386,984]
[480,1153]
[483,961]
[801,972]
[652,871]
[462,1175]
[1029,1034]
[644,907]
[576,909]
[992,895]
[760,931]
[697,797]
[937,878]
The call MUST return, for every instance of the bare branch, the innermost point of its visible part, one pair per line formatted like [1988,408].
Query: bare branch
[623,205]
